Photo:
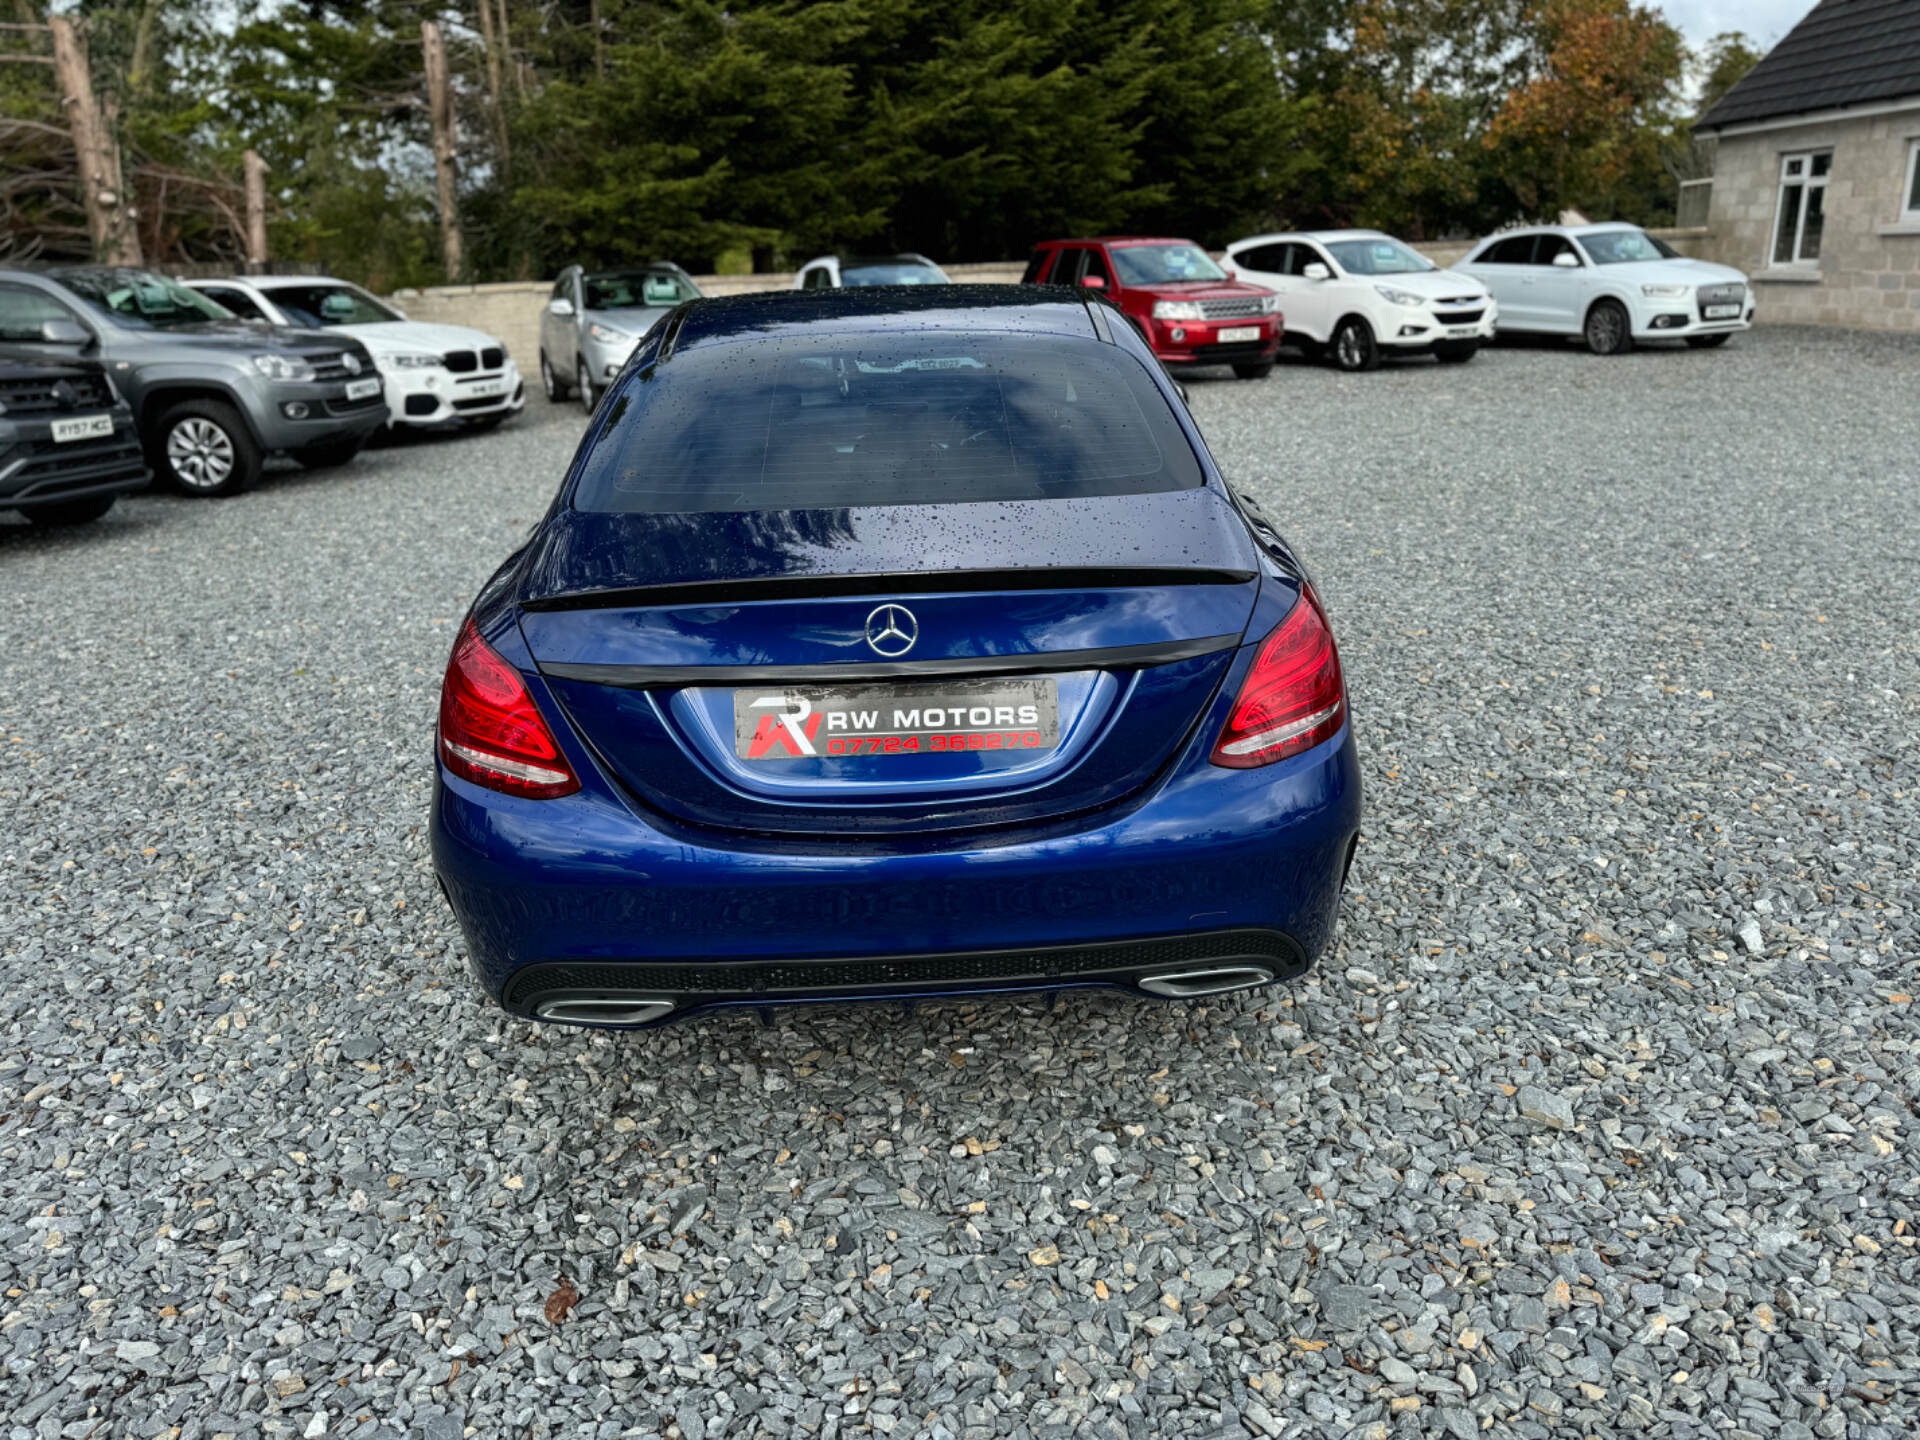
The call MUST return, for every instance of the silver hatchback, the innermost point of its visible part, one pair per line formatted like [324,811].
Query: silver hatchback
[594,318]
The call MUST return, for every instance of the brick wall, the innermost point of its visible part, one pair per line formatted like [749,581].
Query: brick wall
[1868,273]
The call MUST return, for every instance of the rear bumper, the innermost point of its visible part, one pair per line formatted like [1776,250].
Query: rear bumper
[585,895]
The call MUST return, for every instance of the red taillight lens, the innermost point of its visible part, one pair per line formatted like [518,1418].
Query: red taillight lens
[490,732]
[1292,698]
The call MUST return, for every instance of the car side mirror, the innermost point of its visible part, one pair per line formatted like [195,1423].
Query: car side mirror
[64,332]
[1567,260]
[562,308]
[1317,271]
[1094,282]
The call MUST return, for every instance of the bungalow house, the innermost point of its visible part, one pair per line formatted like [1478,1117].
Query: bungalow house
[1816,182]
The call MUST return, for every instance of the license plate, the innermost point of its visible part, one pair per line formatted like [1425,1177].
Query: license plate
[487,387]
[1461,332]
[922,719]
[1238,332]
[1723,312]
[361,389]
[84,427]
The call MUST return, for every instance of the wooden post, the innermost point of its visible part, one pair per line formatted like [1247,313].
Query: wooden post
[110,213]
[440,111]
[256,173]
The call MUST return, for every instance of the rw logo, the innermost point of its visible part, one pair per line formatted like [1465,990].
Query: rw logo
[792,729]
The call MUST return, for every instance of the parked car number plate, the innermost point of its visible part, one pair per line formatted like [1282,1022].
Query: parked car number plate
[487,387]
[1722,312]
[1238,332]
[85,427]
[361,389]
[924,718]
[1461,332]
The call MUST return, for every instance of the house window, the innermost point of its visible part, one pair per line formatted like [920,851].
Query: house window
[1801,215]
[1910,208]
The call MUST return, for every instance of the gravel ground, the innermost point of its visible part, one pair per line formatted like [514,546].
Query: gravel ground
[1600,1122]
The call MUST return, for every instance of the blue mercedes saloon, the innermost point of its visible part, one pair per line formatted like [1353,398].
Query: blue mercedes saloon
[892,643]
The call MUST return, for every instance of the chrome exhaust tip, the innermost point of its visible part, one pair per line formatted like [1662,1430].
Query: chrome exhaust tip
[603,1009]
[1217,980]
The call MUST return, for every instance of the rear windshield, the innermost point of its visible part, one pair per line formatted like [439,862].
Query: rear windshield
[926,418]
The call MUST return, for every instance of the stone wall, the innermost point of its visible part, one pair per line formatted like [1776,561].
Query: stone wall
[512,310]
[1868,275]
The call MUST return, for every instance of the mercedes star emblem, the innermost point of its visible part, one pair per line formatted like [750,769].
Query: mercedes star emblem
[891,630]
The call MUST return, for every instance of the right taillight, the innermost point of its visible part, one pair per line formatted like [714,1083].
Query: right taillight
[1292,698]
[490,730]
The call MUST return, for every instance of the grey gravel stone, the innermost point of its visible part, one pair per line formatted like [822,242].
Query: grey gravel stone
[1545,1108]
[1630,646]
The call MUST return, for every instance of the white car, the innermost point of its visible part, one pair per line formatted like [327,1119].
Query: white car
[434,374]
[1611,285]
[852,272]
[1358,296]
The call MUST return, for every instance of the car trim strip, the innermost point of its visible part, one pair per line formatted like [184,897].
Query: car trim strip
[923,582]
[661,677]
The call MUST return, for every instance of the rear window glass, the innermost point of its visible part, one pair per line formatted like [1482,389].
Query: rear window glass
[926,418]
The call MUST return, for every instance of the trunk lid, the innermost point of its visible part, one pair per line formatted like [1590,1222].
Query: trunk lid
[705,657]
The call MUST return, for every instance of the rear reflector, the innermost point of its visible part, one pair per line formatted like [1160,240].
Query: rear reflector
[490,730]
[1293,696]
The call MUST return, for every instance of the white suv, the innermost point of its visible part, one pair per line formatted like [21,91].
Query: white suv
[434,374]
[1611,285]
[1359,295]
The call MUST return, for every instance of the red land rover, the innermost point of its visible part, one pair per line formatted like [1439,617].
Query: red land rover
[1188,309]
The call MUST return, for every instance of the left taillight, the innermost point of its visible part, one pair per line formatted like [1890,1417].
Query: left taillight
[490,730]
[1293,696]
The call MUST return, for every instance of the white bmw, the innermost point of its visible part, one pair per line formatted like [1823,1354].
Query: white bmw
[434,374]
[1611,285]
[1358,296]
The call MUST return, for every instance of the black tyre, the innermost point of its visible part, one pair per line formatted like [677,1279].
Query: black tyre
[331,455]
[1353,347]
[1456,354]
[1608,331]
[1709,342]
[70,512]
[1254,372]
[555,387]
[583,382]
[202,448]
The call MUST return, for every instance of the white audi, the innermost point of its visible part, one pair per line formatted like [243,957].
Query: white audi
[1611,285]
[435,374]
[1358,295]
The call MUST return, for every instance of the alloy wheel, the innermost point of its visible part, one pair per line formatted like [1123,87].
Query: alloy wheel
[201,453]
[1606,328]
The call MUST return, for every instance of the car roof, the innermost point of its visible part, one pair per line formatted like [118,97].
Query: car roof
[1121,240]
[1003,308]
[1597,227]
[282,282]
[1323,236]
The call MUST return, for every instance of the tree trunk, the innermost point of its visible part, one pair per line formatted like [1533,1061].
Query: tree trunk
[110,212]
[140,71]
[496,95]
[256,170]
[440,111]
[599,40]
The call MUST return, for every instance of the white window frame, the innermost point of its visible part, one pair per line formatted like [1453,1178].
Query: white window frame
[1909,201]
[1808,183]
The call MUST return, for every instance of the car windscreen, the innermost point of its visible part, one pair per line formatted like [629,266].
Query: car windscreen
[889,272]
[1378,257]
[927,418]
[314,306]
[142,299]
[1623,247]
[635,289]
[1163,264]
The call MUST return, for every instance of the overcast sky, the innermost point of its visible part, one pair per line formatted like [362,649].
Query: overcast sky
[1765,20]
